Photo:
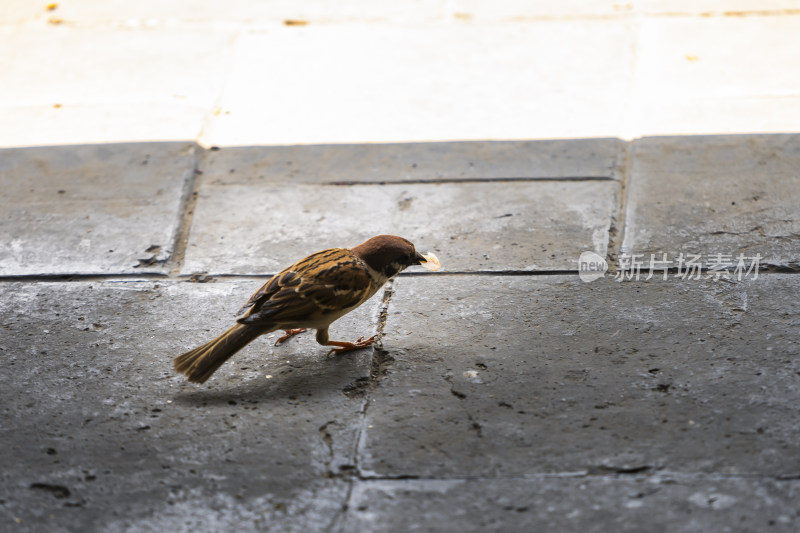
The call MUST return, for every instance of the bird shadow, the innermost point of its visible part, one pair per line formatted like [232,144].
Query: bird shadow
[295,379]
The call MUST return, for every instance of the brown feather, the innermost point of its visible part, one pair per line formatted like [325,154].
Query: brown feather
[325,282]
[199,364]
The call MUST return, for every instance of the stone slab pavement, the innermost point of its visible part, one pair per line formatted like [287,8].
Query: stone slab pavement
[697,194]
[93,209]
[506,393]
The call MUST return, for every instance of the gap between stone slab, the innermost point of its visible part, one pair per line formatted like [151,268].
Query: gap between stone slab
[68,278]
[202,278]
[380,359]
[378,366]
[435,181]
[599,472]
[186,212]
[222,277]
[616,230]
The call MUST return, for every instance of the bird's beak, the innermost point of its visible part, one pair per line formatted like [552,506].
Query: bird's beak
[420,259]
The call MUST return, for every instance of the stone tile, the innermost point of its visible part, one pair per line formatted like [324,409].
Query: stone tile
[685,82]
[520,225]
[716,194]
[362,82]
[519,376]
[593,504]
[112,208]
[180,67]
[102,434]
[144,85]
[307,505]
[568,158]
[680,57]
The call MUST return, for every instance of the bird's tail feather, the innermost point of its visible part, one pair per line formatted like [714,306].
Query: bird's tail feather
[199,364]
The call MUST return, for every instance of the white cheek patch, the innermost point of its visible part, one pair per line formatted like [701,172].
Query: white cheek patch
[431,262]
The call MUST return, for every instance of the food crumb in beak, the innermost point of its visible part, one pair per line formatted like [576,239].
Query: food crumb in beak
[431,262]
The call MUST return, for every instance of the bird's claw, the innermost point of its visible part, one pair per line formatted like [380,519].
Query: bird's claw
[344,347]
[289,333]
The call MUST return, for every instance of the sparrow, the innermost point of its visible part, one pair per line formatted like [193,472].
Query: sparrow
[312,293]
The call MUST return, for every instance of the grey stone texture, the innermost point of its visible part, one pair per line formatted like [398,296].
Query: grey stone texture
[505,394]
[587,504]
[92,209]
[729,194]
[484,206]
[505,376]
[257,229]
[101,435]
[379,163]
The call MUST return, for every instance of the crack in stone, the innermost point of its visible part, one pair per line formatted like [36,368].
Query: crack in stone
[381,360]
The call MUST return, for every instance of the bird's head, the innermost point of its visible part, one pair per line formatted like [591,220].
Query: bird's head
[389,254]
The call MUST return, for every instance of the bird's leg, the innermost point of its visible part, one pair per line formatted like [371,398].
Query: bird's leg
[322,338]
[288,334]
[349,346]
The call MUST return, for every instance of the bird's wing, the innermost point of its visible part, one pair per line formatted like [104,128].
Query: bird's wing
[286,279]
[323,283]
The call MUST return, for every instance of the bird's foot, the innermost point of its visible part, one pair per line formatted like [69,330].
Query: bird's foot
[344,347]
[288,334]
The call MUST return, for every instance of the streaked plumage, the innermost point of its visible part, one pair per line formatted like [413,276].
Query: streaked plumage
[311,293]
